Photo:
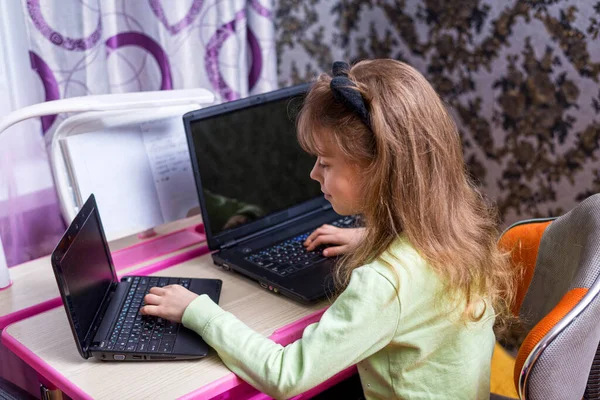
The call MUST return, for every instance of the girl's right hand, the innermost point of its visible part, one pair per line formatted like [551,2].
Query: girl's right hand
[342,239]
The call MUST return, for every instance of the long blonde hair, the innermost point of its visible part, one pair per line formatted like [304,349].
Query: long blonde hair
[414,181]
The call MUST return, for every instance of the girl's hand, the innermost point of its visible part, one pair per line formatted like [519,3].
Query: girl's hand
[345,238]
[167,302]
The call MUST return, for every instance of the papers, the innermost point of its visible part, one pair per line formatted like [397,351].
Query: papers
[169,159]
[136,164]
[113,165]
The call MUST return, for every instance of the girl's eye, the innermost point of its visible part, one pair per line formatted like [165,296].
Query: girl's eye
[323,165]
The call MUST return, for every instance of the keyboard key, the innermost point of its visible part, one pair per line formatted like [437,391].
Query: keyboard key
[163,282]
[171,328]
[169,337]
[144,338]
[166,346]
[185,283]
[153,346]
[142,347]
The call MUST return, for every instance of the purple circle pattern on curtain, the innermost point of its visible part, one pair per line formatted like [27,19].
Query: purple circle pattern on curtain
[260,9]
[65,51]
[211,59]
[51,91]
[256,66]
[157,9]
[35,12]
[150,45]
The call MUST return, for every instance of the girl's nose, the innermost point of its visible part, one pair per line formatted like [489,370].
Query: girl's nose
[314,173]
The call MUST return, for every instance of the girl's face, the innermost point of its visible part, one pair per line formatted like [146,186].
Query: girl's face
[338,177]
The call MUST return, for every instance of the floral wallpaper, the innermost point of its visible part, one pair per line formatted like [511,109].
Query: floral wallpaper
[522,79]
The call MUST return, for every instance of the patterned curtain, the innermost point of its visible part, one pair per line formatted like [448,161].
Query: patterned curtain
[84,47]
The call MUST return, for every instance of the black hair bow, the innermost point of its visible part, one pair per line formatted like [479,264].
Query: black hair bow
[346,92]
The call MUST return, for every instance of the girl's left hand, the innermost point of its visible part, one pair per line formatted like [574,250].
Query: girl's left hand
[167,302]
[341,240]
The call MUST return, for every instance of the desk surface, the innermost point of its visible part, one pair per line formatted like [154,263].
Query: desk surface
[49,337]
[34,282]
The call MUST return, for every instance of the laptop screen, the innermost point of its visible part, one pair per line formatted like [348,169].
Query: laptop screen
[249,161]
[86,271]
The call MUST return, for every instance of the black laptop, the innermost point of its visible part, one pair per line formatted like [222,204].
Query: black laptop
[104,312]
[257,199]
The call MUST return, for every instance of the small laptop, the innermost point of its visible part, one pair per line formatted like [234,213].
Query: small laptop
[104,312]
[256,196]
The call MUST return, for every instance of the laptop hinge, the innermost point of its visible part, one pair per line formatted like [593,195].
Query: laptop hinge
[274,227]
[88,341]
[229,244]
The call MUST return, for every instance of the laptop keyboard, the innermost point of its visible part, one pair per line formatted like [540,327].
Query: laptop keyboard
[135,332]
[290,256]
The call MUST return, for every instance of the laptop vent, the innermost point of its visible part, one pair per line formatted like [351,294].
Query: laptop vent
[161,357]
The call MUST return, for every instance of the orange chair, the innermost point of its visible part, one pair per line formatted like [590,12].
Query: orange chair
[558,301]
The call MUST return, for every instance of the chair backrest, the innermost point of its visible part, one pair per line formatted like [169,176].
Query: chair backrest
[557,300]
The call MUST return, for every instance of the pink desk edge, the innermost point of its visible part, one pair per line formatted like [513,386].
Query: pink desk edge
[283,336]
[158,246]
[127,257]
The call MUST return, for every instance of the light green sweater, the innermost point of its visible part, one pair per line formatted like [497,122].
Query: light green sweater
[406,343]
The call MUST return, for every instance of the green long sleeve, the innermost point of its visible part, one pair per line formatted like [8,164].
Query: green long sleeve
[392,321]
[353,328]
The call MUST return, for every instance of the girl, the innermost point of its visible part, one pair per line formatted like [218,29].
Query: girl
[419,287]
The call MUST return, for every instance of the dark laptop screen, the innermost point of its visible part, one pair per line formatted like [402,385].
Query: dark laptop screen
[87,274]
[250,163]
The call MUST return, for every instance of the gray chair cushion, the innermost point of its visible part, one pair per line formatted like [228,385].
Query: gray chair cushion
[568,258]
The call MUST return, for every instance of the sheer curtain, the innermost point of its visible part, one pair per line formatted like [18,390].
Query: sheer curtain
[64,48]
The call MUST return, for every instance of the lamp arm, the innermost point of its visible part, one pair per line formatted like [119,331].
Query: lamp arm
[107,102]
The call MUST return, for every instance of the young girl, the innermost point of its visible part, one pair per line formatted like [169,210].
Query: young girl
[419,286]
